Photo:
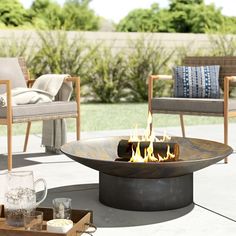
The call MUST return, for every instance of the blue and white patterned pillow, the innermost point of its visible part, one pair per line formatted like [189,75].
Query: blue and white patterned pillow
[197,81]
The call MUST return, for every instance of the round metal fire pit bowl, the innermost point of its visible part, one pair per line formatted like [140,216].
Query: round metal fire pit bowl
[146,186]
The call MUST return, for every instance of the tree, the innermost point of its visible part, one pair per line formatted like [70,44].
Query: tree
[194,16]
[175,4]
[78,16]
[205,18]
[182,16]
[45,14]
[146,20]
[74,15]
[12,13]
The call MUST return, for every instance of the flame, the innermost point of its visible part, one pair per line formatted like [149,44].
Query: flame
[136,155]
[148,133]
[149,136]
[168,156]
[149,155]
[165,138]
[134,137]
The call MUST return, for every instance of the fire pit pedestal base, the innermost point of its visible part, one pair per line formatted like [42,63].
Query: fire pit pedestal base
[146,194]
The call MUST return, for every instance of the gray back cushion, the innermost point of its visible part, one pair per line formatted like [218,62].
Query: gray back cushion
[10,70]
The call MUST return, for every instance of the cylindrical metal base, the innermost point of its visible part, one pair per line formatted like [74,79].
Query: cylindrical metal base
[146,194]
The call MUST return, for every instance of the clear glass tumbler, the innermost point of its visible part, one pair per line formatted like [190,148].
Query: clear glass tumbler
[61,208]
[33,221]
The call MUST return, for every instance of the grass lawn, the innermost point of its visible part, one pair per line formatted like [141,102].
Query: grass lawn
[95,117]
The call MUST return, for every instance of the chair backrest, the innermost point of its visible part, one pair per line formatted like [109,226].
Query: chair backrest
[227,64]
[24,68]
[14,69]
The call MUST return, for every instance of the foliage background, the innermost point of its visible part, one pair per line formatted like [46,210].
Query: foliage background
[108,74]
[180,16]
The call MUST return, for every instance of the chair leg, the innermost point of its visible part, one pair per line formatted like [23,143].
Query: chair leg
[9,145]
[182,124]
[27,136]
[78,128]
[226,125]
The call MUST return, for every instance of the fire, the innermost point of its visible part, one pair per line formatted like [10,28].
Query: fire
[168,156]
[134,137]
[149,151]
[149,135]
[136,155]
[165,138]
[149,155]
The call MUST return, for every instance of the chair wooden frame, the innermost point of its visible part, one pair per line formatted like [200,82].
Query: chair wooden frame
[9,118]
[227,72]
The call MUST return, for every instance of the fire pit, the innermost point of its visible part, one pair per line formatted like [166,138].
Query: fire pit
[146,186]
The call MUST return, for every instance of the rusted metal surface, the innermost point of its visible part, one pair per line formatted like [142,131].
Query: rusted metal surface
[100,153]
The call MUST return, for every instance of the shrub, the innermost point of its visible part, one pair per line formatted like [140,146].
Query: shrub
[222,45]
[59,54]
[16,47]
[146,57]
[106,75]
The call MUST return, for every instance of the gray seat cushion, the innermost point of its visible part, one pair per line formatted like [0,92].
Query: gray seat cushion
[191,105]
[10,70]
[41,111]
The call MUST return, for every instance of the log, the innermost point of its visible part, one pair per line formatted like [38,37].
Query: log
[124,149]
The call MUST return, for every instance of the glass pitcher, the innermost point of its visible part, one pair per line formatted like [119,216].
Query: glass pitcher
[20,196]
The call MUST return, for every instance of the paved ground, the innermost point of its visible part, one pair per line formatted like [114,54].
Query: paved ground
[213,211]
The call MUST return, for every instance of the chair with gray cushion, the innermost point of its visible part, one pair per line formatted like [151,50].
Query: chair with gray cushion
[193,105]
[13,73]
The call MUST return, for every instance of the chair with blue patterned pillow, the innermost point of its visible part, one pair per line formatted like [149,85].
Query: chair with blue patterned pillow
[197,90]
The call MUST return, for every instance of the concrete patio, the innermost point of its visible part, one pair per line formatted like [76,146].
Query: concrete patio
[213,211]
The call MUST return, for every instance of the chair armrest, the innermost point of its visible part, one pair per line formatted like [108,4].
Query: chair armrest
[30,83]
[150,86]
[230,78]
[73,79]
[7,83]
[76,80]
[160,77]
[227,80]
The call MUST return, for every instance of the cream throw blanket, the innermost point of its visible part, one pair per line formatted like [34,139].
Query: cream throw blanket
[21,96]
[54,131]
[46,88]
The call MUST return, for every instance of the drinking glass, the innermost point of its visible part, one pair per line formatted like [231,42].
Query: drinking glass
[33,220]
[61,208]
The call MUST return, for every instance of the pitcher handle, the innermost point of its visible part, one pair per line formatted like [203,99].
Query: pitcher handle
[45,191]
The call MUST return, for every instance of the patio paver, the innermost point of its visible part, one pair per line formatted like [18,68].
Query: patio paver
[213,211]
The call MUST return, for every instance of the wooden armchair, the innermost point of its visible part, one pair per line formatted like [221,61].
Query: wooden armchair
[222,107]
[15,74]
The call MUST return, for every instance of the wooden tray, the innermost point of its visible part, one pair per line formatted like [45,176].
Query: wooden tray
[81,219]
